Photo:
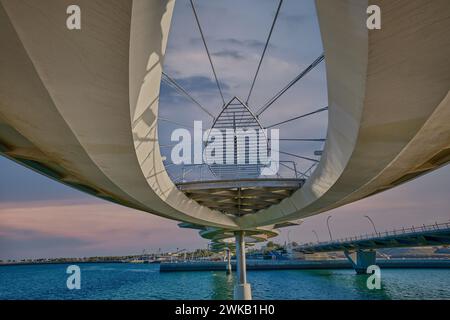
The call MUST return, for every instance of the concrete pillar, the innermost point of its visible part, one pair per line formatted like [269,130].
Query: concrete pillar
[228,261]
[242,289]
[361,259]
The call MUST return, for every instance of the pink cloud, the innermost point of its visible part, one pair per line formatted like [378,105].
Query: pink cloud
[96,228]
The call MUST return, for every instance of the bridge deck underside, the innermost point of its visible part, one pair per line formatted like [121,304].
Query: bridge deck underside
[240,197]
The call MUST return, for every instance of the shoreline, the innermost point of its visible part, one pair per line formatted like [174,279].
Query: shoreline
[396,263]
[305,265]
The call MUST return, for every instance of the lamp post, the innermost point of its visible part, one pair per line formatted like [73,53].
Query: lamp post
[373,224]
[328,225]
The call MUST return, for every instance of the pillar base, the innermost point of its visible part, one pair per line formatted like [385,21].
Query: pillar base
[243,292]
[361,270]
[361,260]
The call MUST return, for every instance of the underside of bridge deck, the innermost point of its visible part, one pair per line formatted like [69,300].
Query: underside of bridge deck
[240,197]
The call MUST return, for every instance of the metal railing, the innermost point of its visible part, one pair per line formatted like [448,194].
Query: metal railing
[202,172]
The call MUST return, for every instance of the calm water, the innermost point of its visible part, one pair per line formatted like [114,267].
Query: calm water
[126,281]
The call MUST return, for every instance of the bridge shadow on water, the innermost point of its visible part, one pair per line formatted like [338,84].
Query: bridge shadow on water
[222,285]
[298,284]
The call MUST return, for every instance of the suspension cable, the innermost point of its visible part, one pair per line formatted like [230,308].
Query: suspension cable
[207,51]
[298,117]
[290,84]
[181,90]
[175,122]
[297,156]
[264,51]
[301,140]
[309,169]
[286,166]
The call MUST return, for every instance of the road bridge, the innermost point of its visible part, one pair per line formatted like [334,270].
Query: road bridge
[360,250]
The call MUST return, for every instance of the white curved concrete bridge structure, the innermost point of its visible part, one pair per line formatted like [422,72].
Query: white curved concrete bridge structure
[81,106]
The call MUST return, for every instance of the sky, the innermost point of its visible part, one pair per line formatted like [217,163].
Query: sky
[43,218]
[236,34]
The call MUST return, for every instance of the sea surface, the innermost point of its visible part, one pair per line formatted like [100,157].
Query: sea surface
[135,281]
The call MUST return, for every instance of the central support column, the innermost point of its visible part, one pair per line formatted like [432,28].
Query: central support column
[242,290]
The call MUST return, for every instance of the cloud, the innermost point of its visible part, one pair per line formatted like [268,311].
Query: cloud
[49,229]
[248,43]
[234,42]
[234,54]
[195,86]
[200,84]
[295,18]
[17,241]
[203,89]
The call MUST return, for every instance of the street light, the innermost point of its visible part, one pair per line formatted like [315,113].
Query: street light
[328,225]
[373,224]
[316,235]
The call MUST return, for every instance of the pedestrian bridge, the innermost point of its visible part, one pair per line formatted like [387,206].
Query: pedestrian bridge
[90,113]
[430,235]
[81,107]
[360,251]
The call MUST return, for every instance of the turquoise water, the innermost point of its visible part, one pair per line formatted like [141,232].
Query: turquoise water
[128,281]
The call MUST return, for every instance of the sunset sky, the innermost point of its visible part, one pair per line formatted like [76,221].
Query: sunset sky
[42,218]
